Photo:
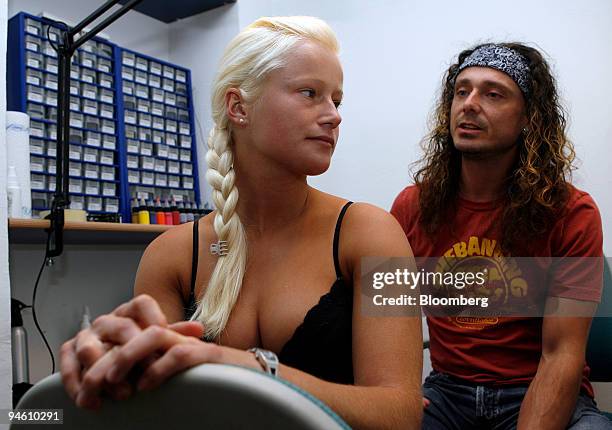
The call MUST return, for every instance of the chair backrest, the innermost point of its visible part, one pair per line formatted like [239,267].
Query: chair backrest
[599,346]
[208,396]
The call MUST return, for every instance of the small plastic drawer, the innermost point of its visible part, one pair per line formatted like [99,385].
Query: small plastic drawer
[95,204]
[181,89]
[171,126]
[185,155]
[170,99]
[133,161]
[91,171]
[133,146]
[128,88]
[75,88]
[147,163]
[88,59]
[171,139]
[143,106]
[107,173]
[51,113]
[51,81]
[168,72]
[184,128]
[131,132]
[146,149]
[37,129]
[108,126]
[88,76]
[171,113]
[92,122]
[107,157]
[130,117]
[77,202]
[140,77]
[173,153]
[111,205]
[161,150]
[183,115]
[142,91]
[51,65]
[90,155]
[35,111]
[186,141]
[187,182]
[155,68]
[105,65]
[128,59]
[174,181]
[133,176]
[109,189]
[129,102]
[33,27]
[75,185]
[109,141]
[107,111]
[40,199]
[127,73]
[181,76]
[168,85]
[144,133]
[38,182]
[35,94]
[105,50]
[52,149]
[76,136]
[174,167]
[51,131]
[157,109]
[92,187]
[155,81]
[90,107]
[35,77]
[89,46]
[186,169]
[75,152]
[93,138]
[158,123]
[147,178]
[75,71]
[144,120]
[75,103]
[182,102]
[37,147]
[104,80]
[161,165]
[158,136]
[161,180]
[89,91]
[34,59]
[75,168]
[142,64]
[51,166]
[157,95]
[107,96]
[76,119]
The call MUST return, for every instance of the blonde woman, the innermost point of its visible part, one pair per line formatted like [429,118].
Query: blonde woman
[276,266]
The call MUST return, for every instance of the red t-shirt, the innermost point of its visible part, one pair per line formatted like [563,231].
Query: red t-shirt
[501,350]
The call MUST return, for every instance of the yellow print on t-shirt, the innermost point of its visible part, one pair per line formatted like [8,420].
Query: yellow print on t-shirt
[505,286]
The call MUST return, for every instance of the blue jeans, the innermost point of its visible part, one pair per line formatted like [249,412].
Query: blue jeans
[457,404]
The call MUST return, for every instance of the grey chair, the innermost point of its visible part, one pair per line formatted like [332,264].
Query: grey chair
[208,396]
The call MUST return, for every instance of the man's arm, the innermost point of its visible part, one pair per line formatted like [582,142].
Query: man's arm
[551,397]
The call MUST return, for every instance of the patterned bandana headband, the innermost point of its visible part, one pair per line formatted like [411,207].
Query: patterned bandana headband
[503,59]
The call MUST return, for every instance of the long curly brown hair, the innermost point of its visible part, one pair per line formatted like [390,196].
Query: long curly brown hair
[538,184]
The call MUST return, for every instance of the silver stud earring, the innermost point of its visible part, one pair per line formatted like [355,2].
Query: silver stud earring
[525,130]
[241,120]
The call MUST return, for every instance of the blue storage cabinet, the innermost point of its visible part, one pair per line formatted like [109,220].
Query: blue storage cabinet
[160,140]
[131,123]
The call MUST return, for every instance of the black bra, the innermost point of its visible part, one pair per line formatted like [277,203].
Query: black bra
[322,345]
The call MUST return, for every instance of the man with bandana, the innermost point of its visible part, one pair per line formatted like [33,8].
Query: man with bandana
[494,184]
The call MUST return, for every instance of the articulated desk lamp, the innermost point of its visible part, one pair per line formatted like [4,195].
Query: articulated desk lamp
[70,39]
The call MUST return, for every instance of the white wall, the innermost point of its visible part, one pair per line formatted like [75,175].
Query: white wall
[394,53]
[133,30]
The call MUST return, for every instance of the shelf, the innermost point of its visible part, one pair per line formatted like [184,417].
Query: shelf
[32,231]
